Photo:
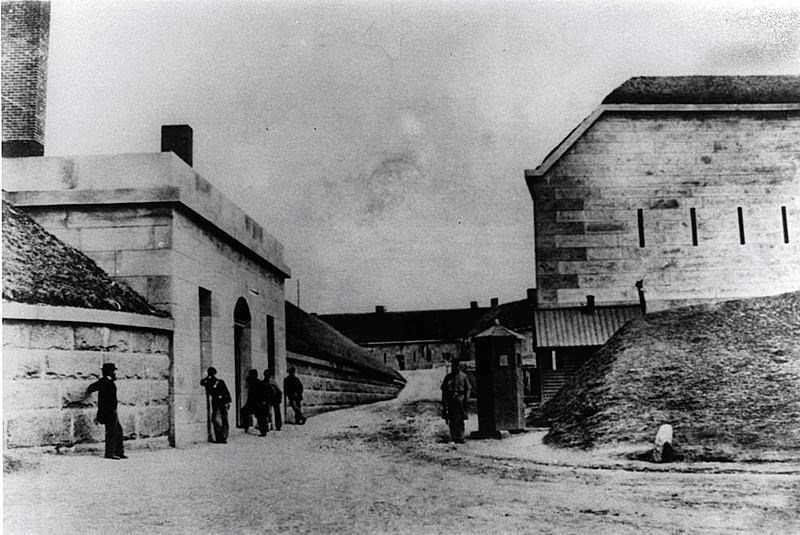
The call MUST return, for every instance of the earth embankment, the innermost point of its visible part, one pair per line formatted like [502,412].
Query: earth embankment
[725,376]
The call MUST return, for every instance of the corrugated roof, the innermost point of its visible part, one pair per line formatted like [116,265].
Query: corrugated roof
[707,90]
[40,269]
[575,327]
[406,326]
[309,335]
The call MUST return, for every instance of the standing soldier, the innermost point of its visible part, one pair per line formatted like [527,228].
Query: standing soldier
[220,401]
[455,395]
[107,411]
[257,404]
[277,396]
[293,389]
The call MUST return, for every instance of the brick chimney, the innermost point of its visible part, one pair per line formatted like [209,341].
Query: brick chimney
[642,301]
[533,298]
[380,309]
[473,305]
[25,41]
[494,302]
[177,138]
[590,304]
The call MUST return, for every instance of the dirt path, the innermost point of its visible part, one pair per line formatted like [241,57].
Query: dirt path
[381,469]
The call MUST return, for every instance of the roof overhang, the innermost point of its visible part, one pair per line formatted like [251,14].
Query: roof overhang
[531,175]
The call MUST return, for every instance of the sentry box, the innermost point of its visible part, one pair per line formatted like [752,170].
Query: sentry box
[498,374]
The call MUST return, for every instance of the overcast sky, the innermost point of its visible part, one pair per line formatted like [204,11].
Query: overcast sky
[383,143]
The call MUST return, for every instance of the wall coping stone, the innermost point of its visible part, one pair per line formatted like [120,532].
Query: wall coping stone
[24,311]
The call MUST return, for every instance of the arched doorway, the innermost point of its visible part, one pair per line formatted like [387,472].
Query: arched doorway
[241,352]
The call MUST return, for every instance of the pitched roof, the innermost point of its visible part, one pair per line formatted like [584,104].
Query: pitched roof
[38,268]
[309,335]
[515,315]
[707,90]
[414,325]
[672,92]
[498,331]
[577,327]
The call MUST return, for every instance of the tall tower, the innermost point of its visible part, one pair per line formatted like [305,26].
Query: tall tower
[25,36]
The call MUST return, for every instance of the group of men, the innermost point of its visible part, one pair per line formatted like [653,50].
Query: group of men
[263,397]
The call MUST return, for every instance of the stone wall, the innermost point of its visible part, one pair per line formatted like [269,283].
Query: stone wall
[329,386]
[201,258]
[151,221]
[167,256]
[665,197]
[130,243]
[51,355]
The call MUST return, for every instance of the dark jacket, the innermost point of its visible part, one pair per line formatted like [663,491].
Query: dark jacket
[277,394]
[293,388]
[106,400]
[216,390]
[257,393]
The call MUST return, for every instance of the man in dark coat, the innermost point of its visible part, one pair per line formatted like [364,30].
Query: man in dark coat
[293,389]
[455,394]
[107,411]
[220,401]
[257,403]
[277,397]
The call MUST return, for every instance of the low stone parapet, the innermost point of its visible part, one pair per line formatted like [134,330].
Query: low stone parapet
[52,354]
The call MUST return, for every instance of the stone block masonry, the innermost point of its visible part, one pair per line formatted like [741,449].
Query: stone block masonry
[150,221]
[700,205]
[51,357]
[328,386]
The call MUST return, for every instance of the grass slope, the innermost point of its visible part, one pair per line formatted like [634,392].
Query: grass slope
[726,376]
[40,269]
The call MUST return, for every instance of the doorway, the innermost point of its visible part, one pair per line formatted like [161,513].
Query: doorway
[241,353]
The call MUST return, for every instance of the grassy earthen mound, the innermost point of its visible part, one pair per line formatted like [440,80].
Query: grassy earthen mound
[40,269]
[725,376]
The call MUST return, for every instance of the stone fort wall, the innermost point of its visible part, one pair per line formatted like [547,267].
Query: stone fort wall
[700,205]
[329,386]
[52,354]
[150,221]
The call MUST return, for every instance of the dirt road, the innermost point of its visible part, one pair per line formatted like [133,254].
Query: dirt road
[384,469]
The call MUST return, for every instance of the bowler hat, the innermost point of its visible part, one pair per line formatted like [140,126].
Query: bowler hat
[109,367]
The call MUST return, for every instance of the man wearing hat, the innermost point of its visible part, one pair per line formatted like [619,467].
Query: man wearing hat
[220,401]
[107,411]
[293,389]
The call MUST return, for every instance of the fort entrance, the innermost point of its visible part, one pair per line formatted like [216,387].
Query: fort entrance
[242,353]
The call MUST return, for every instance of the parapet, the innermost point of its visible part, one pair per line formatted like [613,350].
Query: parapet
[152,178]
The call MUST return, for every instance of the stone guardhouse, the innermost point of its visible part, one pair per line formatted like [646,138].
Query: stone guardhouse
[151,221]
[690,184]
